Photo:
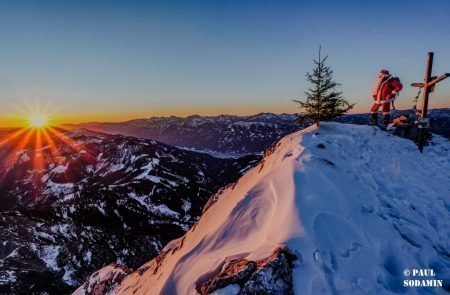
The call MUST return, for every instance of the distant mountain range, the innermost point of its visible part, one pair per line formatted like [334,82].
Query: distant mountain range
[235,134]
[74,201]
[219,134]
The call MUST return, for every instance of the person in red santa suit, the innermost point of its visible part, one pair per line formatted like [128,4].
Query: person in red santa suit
[384,93]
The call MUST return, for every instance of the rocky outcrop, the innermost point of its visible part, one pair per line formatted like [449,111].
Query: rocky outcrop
[105,280]
[272,275]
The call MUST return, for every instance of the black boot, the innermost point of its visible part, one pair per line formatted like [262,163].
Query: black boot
[374,119]
[386,119]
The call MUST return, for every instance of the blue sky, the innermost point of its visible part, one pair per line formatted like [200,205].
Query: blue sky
[116,60]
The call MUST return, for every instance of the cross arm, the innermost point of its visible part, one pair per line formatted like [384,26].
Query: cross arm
[433,82]
[438,79]
[417,85]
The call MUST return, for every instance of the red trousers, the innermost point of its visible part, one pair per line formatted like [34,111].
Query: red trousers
[386,107]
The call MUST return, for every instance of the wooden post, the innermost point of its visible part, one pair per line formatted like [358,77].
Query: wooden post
[426,95]
[426,92]
[428,87]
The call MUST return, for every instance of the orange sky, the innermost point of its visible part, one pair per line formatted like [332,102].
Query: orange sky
[20,120]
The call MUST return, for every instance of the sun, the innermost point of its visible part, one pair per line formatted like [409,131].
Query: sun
[37,120]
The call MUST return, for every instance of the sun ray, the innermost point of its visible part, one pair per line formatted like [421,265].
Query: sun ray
[17,148]
[38,145]
[57,157]
[70,142]
[55,153]
[50,142]
[14,134]
[67,140]
[87,157]
[38,159]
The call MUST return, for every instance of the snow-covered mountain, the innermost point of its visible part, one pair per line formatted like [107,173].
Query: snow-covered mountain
[224,134]
[335,209]
[72,202]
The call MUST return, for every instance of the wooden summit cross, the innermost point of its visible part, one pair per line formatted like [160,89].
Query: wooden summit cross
[428,87]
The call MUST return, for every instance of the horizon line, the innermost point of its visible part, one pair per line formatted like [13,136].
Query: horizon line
[188,116]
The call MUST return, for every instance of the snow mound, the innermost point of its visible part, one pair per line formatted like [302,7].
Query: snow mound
[355,205]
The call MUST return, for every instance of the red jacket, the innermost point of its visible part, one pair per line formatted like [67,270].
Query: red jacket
[386,90]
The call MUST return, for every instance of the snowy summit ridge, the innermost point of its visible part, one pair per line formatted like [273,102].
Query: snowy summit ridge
[349,202]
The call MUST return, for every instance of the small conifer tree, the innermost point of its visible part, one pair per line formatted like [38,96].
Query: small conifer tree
[324,102]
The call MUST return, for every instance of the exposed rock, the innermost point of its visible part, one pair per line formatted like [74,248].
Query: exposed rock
[104,281]
[272,275]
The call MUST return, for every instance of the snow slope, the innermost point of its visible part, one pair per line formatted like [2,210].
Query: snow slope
[351,202]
